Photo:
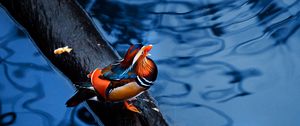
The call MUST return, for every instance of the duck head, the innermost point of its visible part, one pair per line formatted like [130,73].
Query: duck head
[142,54]
[135,56]
[135,53]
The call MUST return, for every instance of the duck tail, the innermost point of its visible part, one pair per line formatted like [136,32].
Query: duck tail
[80,96]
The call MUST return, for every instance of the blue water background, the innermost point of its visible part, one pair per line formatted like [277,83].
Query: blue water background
[221,63]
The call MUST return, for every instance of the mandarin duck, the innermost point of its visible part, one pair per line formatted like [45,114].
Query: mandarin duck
[121,81]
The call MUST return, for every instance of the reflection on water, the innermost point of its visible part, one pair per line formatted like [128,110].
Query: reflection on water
[220,62]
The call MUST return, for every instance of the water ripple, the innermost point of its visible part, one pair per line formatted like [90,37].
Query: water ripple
[210,54]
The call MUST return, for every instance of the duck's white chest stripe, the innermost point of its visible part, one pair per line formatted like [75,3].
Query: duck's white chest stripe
[149,82]
[143,82]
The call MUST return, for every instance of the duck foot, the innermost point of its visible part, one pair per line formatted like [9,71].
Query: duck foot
[131,107]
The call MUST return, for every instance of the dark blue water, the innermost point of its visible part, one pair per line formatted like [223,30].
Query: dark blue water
[221,63]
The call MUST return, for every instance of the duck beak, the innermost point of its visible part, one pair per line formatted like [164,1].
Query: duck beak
[147,48]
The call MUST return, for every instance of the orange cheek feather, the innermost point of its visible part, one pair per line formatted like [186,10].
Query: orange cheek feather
[99,84]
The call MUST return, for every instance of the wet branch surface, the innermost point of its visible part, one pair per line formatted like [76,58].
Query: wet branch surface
[57,23]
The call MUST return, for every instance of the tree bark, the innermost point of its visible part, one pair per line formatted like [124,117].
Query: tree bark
[57,23]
